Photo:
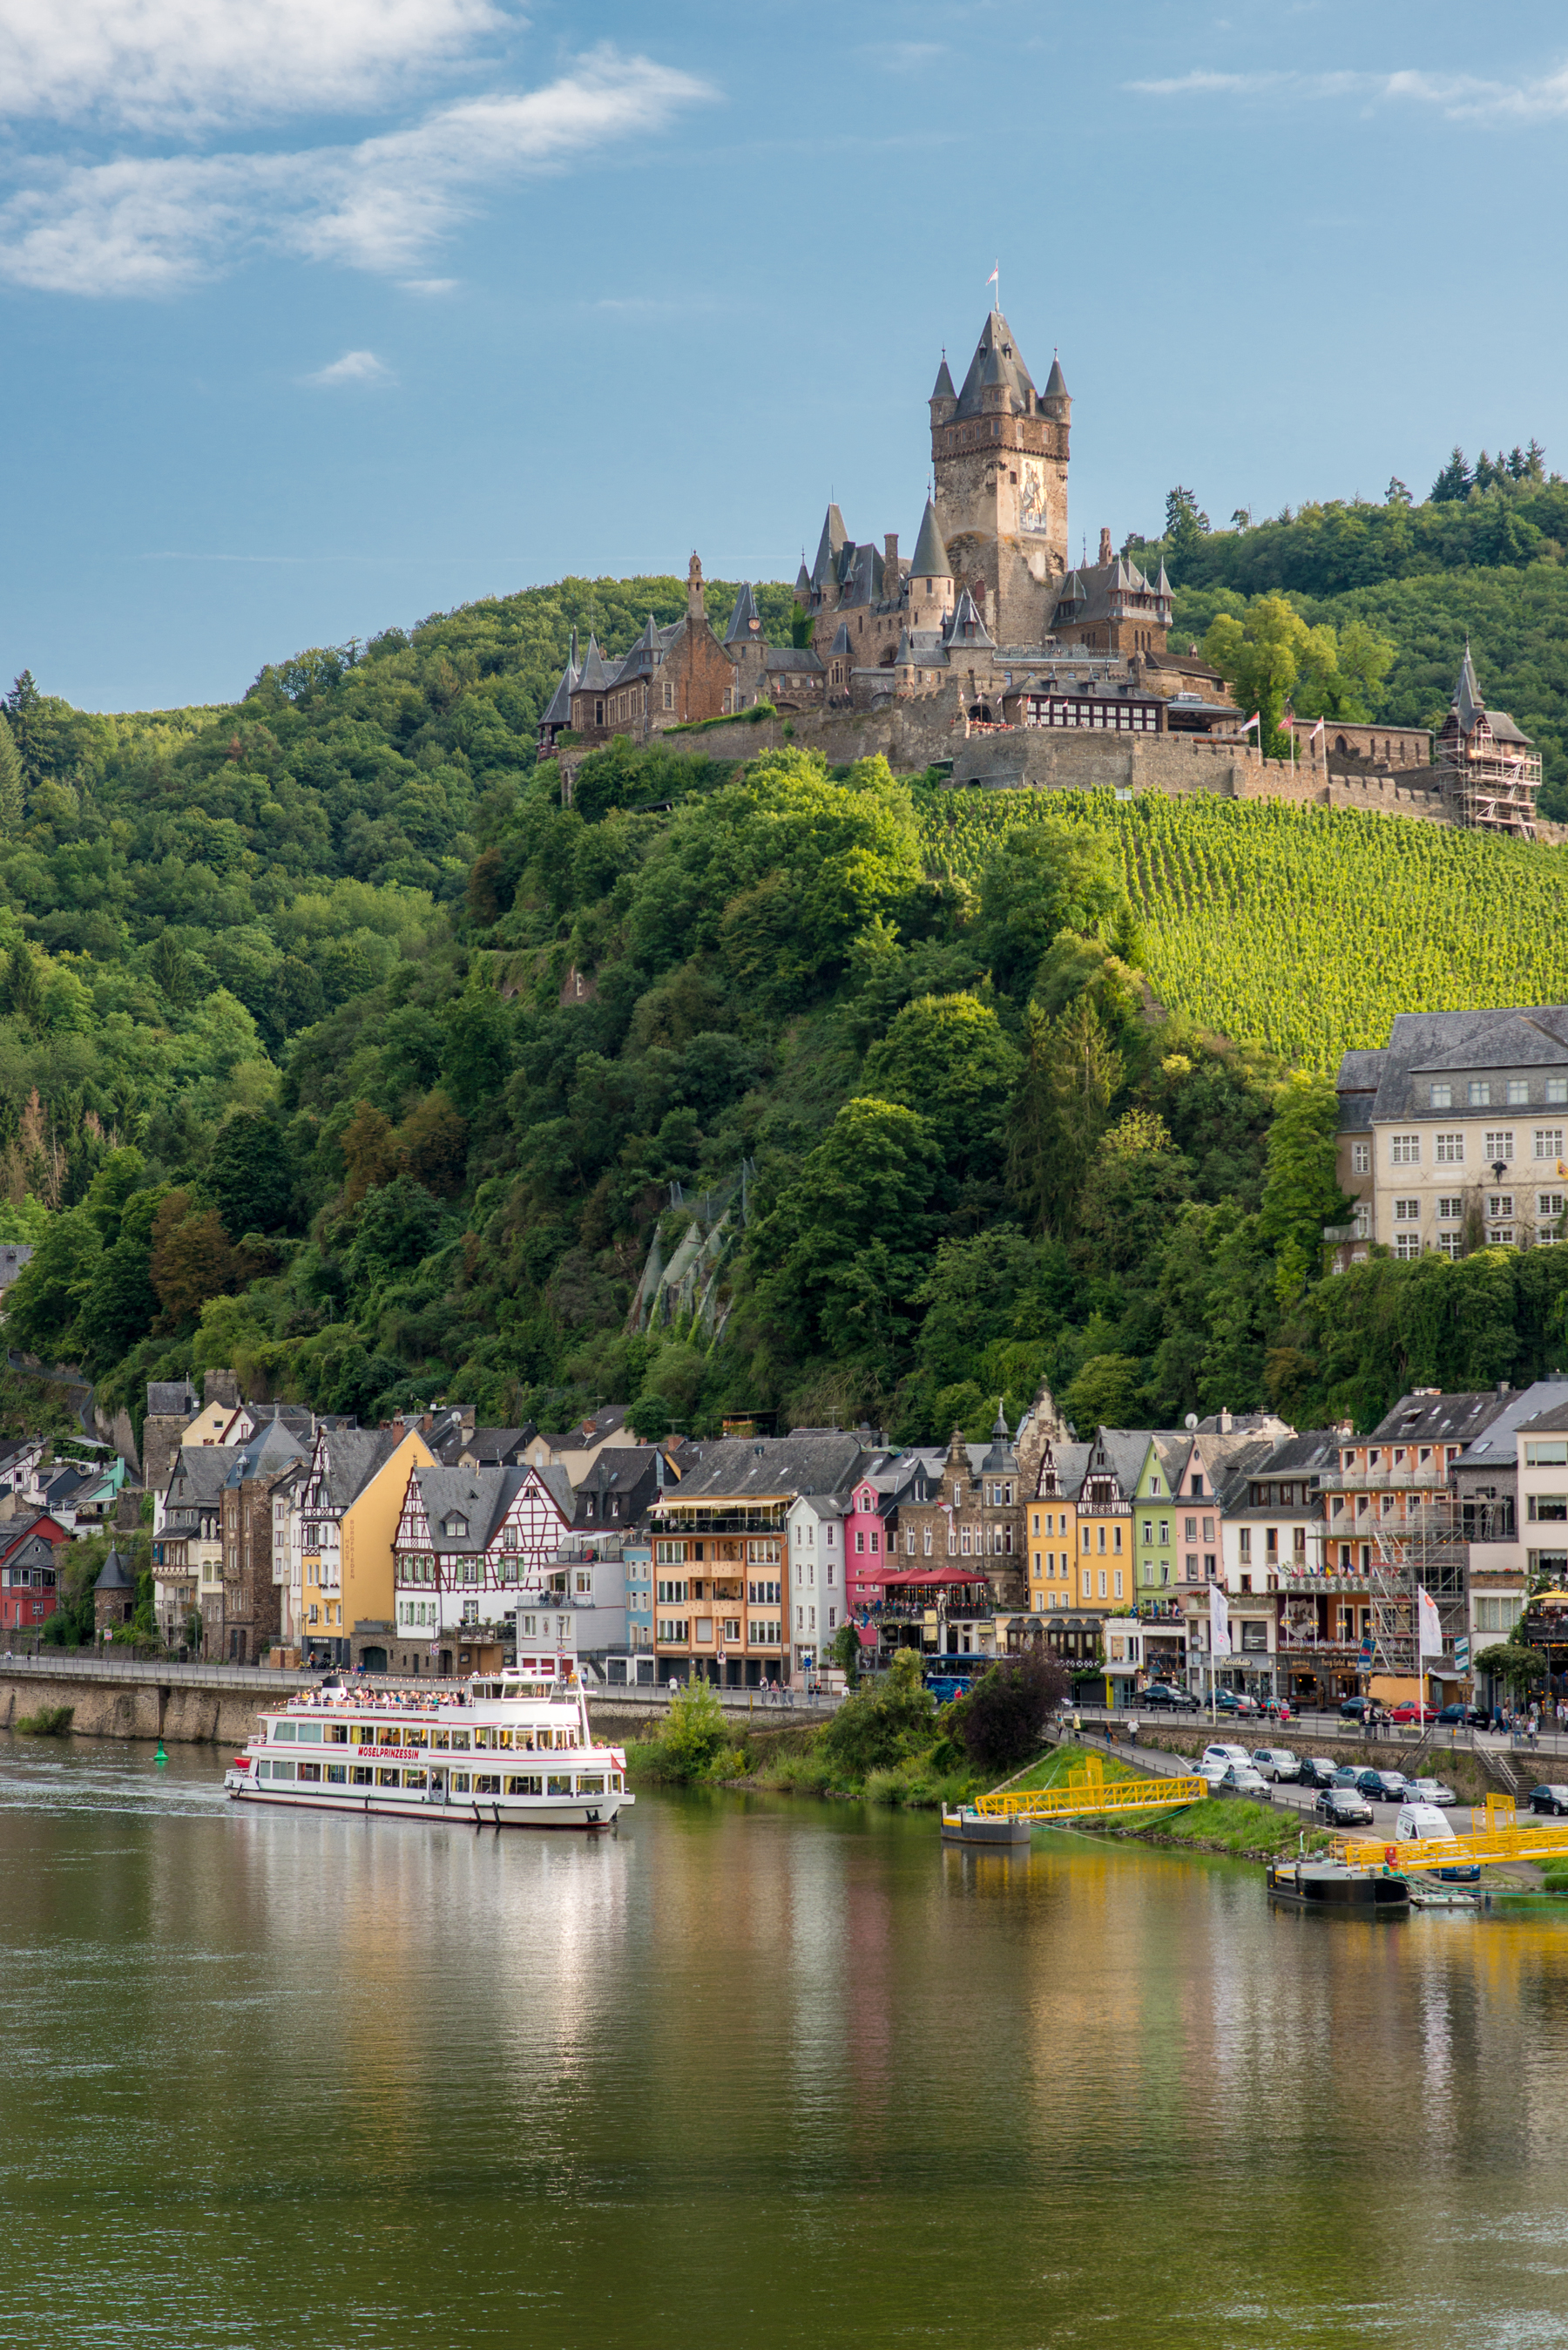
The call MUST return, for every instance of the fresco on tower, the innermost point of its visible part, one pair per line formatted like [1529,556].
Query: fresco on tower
[1031,512]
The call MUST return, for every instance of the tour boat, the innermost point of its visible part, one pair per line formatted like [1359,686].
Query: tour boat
[508,1751]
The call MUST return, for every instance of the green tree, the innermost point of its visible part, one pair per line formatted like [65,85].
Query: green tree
[694,1735]
[1107,1393]
[1134,1187]
[1060,1109]
[948,1057]
[43,1302]
[1043,878]
[1185,527]
[882,1722]
[11,809]
[1002,1720]
[1300,1191]
[249,1173]
[1454,481]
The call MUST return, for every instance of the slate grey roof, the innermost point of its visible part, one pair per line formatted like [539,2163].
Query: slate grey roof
[1089,593]
[1522,1038]
[1439,1419]
[1542,1400]
[997,360]
[841,643]
[943,387]
[1298,1459]
[921,648]
[559,713]
[930,560]
[791,657]
[966,626]
[479,1497]
[803,583]
[1550,1422]
[742,1465]
[595,677]
[112,1576]
[1124,1448]
[353,1457]
[493,1447]
[1056,382]
[745,621]
[171,1399]
[199,1473]
[274,1447]
[829,547]
[1467,704]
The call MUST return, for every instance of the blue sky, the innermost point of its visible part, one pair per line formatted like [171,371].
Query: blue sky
[316,317]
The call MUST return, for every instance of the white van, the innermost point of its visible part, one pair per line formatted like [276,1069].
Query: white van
[1422,1824]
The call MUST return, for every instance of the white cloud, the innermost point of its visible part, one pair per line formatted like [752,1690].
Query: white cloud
[431,286]
[151,225]
[902,56]
[354,367]
[1460,97]
[151,63]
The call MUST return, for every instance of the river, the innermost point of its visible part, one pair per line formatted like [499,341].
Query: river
[752,2072]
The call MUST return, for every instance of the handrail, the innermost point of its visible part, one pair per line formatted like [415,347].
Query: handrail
[1086,1798]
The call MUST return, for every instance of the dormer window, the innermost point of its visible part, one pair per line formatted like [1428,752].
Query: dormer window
[453,1526]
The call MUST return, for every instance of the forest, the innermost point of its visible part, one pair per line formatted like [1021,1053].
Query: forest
[291,1080]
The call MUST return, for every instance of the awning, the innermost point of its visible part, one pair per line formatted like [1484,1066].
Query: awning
[870,1636]
[930,1578]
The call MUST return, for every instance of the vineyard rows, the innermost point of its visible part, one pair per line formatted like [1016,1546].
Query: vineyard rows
[1305,928]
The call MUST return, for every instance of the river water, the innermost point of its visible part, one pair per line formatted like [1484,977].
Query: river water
[751,2073]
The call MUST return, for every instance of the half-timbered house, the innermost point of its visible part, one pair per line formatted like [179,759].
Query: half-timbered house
[472,1542]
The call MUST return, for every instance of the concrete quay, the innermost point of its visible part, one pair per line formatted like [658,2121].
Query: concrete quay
[218,1705]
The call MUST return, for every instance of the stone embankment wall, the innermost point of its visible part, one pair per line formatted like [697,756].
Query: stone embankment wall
[1464,1768]
[913,735]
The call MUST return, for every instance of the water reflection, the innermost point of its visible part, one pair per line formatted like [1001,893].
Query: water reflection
[748,2072]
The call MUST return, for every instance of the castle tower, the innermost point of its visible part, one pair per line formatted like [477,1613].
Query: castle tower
[931,590]
[999,448]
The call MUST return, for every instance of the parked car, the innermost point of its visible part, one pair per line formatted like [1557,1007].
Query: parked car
[1241,1778]
[1166,1693]
[1394,1785]
[1317,1770]
[1412,1712]
[1430,1790]
[1353,1707]
[1246,1707]
[1371,1783]
[1348,1775]
[1210,1769]
[1224,1754]
[1276,1762]
[1225,1701]
[1343,1808]
[1471,1716]
[1549,1799]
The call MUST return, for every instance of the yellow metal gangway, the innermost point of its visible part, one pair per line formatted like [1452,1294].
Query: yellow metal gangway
[1501,1841]
[1089,1793]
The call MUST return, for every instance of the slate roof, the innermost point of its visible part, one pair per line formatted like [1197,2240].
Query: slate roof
[966,626]
[1439,1419]
[479,1497]
[841,643]
[1088,593]
[1485,1041]
[930,560]
[274,1447]
[943,387]
[1056,382]
[1302,1458]
[745,621]
[353,1457]
[199,1473]
[829,547]
[743,1465]
[1542,1400]
[791,657]
[171,1399]
[112,1576]
[594,677]
[559,713]
[997,360]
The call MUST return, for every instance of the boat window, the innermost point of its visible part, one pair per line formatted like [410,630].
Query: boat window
[283,1731]
[283,1770]
[524,1783]
[415,1778]
[361,1774]
[487,1783]
[440,1738]
[504,1738]
[560,1786]
[460,1783]
[546,1738]
[460,1738]
[337,1773]
[485,1737]
[337,1733]
[616,1782]
[309,1733]
[416,1738]
[588,1786]
[310,1771]
[389,1778]
[365,1734]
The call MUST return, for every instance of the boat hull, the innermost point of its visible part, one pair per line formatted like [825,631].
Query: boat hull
[970,1827]
[587,1815]
[1338,1892]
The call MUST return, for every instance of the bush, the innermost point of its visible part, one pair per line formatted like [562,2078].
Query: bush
[1002,1721]
[880,1724]
[695,1734]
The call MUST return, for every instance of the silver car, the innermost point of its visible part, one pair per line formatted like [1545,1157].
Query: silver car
[1276,1762]
[1430,1790]
[1241,1778]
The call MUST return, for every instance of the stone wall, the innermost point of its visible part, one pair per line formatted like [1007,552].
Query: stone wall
[179,1714]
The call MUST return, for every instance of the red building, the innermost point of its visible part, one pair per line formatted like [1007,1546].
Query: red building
[29,1591]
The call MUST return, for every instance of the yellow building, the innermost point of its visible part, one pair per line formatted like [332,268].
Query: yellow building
[1053,1538]
[349,1505]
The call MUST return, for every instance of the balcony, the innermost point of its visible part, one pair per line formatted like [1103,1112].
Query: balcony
[1347,1580]
[1384,1480]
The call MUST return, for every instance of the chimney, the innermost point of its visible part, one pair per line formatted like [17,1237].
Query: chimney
[1106,552]
[1226,1423]
[889,557]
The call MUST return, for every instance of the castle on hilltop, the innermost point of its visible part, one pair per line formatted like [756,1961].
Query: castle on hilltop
[988,653]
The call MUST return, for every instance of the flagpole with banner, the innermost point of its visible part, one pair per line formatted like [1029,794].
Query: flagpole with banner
[1428,1643]
[996,279]
[1219,1640]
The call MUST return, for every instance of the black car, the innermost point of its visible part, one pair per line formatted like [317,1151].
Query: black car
[1343,1808]
[1381,1786]
[1353,1707]
[1317,1770]
[1471,1716]
[1549,1799]
[1163,1694]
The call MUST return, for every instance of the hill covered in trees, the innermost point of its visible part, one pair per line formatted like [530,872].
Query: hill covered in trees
[286,1079]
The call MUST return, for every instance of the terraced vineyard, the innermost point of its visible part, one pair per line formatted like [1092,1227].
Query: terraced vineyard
[1306,929]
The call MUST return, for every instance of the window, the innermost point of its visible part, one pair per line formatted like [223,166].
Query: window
[1361,1222]
[1557,1089]
[1546,1453]
[1547,1509]
[1449,1244]
[1451,1209]
[1499,1236]
[1495,1615]
[1499,1150]
[1404,1151]
[1480,1093]
[1164,1532]
[1518,1090]
[1407,1211]
[1441,1097]
[1361,1158]
[1549,1142]
[1500,1204]
[1244,1543]
[1448,1149]
[1407,1244]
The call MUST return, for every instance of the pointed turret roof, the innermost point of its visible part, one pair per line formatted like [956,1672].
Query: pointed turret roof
[1467,704]
[930,560]
[829,547]
[1000,1455]
[112,1576]
[1162,585]
[841,643]
[559,713]
[943,387]
[997,360]
[1056,382]
[966,626]
[803,580]
[593,677]
[745,622]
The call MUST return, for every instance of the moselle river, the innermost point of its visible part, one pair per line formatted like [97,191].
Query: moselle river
[749,2073]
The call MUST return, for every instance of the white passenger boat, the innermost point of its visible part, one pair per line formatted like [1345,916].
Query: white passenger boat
[509,1751]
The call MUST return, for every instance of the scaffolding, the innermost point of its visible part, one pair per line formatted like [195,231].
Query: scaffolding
[1423,1550]
[1491,787]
